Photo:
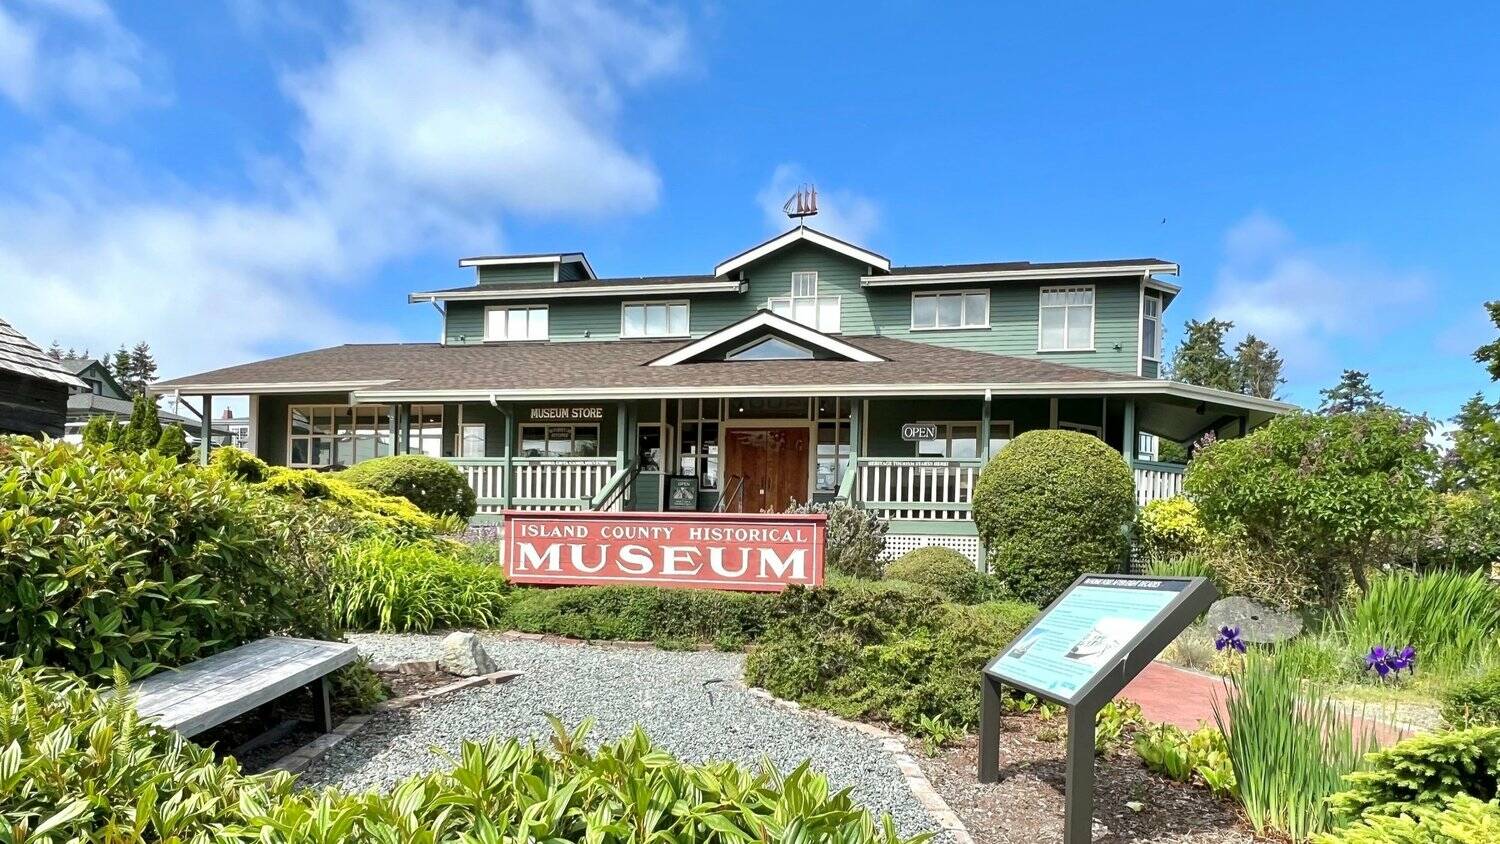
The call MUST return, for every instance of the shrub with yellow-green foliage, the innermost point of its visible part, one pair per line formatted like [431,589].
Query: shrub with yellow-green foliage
[1423,771]
[1169,528]
[81,766]
[1463,819]
[371,511]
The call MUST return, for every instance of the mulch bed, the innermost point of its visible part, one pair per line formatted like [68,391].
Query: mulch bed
[1026,806]
[402,685]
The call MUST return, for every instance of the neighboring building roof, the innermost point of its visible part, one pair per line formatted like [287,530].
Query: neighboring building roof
[78,366]
[640,285]
[802,234]
[23,357]
[88,404]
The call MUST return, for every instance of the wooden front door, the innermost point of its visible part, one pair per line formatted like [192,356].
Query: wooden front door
[764,468]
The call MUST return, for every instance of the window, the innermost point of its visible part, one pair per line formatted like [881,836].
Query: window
[1067,319]
[1147,446]
[1079,427]
[471,440]
[960,440]
[771,348]
[962,309]
[833,443]
[337,435]
[523,323]
[654,319]
[698,447]
[648,446]
[1151,327]
[425,430]
[559,440]
[806,306]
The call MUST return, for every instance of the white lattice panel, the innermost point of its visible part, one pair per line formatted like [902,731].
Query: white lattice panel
[898,544]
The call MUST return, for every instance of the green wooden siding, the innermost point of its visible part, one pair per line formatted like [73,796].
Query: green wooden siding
[513,273]
[1014,311]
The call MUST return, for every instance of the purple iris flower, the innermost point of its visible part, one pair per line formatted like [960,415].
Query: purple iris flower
[1229,637]
[1384,662]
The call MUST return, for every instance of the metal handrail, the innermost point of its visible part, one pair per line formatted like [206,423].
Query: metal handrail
[729,495]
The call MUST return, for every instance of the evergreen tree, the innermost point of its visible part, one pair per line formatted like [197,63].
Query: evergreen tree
[174,443]
[55,351]
[1257,368]
[101,430]
[1200,357]
[1351,394]
[1474,460]
[1489,353]
[142,367]
[144,429]
[119,366]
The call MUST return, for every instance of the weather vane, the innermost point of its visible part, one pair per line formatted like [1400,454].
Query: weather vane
[804,203]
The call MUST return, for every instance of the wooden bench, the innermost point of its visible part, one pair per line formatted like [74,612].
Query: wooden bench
[206,693]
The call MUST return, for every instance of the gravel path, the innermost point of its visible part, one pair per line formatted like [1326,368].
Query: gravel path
[690,703]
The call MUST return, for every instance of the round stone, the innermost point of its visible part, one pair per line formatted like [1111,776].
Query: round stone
[1257,622]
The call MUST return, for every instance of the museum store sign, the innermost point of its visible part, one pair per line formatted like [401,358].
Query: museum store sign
[744,551]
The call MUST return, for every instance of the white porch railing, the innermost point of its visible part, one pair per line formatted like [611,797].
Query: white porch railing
[1155,481]
[916,488]
[539,483]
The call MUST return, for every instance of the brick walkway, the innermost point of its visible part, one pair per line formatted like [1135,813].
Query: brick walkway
[1183,698]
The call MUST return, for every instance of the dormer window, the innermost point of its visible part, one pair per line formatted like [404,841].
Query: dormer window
[806,306]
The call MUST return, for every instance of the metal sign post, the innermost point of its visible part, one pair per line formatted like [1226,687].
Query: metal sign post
[1081,652]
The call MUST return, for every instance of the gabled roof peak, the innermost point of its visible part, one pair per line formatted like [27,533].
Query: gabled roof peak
[802,234]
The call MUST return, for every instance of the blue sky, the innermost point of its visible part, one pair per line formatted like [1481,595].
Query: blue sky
[235,181]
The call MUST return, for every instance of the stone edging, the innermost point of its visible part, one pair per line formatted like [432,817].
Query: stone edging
[891,743]
[300,759]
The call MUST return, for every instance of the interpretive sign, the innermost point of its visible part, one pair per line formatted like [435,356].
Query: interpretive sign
[743,551]
[1081,652]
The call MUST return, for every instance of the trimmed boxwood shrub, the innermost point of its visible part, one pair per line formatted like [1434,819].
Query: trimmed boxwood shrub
[1050,506]
[434,485]
[943,569]
[642,614]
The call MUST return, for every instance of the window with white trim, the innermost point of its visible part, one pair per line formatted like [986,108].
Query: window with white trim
[1081,428]
[654,319]
[698,440]
[1151,327]
[425,430]
[336,435]
[1066,321]
[1147,446]
[526,322]
[806,306]
[833,443]
[960,440]
[957,309]
[559,440]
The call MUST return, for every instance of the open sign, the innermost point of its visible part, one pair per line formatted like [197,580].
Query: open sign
[918,431]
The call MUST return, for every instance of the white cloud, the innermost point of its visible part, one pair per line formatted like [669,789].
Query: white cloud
[422,126]
[74,52]
[1308,301]
[842,213]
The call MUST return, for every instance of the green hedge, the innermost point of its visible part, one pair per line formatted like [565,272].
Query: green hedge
[436,486]
[642,614]
[1050,506]
[943,569]
[79,766]
[130,558]
[887,651]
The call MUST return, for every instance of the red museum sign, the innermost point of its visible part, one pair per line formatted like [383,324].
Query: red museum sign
[745,551]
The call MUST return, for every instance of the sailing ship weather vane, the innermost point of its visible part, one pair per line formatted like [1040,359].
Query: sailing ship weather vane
[803,204]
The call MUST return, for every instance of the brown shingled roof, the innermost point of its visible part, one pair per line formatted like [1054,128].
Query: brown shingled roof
[616,364]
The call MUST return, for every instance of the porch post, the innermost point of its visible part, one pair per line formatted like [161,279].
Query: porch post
[621,426]
[1127,432]
[509,423]
[856,429]
[984,429]
[403,433]
[395,429]
[206,429]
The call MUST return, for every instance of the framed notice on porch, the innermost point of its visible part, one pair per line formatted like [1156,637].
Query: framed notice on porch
[682,493]
[758,552]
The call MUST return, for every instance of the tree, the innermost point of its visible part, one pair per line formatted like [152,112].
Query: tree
[55,351]
[119,366]
[1200,357]
[1473,462]
[144,429]
[101,430]
[142,368]
[1352,394]
[1489,353]
[1317,499]
[1257,368]
[174,443]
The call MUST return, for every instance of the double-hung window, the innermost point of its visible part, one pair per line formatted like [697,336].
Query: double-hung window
[654,319]
[337,435]
[806,306]
[1067,319]
[960,309]
[1151,327]
[525,322]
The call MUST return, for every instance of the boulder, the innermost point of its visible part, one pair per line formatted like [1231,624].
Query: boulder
[465,656]
[1258,623]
